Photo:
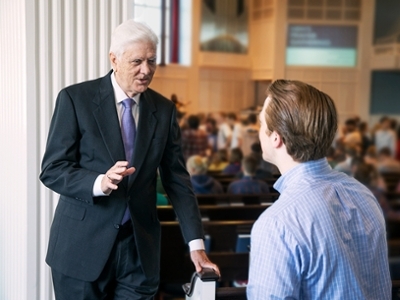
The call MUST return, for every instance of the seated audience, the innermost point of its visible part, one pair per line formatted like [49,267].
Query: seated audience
[345,166]
[235,160]
[386,162]
[379,181]
[352,137]
[212,133]
[202,183]
[330,157]
[219,161]
[266,169]
[369,176]
[249,184]
[224,135]
[194,140]
[366,140]
[250,134]
[385,136]
[371,157]
[236,127]
[263,170]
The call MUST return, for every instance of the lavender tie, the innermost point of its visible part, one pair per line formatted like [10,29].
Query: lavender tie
[128,130]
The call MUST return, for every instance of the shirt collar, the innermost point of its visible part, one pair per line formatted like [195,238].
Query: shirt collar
[119,93]
[303,170]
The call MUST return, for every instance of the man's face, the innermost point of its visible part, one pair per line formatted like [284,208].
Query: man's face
[135,68]
[265,135]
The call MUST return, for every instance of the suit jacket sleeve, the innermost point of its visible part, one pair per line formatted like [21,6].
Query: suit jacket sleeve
[61,170]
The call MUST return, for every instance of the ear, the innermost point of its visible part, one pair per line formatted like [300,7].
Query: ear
[113,61]
[276,139]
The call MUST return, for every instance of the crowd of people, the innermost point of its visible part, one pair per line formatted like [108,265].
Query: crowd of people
[225,144]
[369,155]
[222,143]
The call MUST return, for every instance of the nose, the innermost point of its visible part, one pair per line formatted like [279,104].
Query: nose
[145,68]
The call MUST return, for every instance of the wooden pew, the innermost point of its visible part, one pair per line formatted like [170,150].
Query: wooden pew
[229,199]
[393,229]
[391,179]
[176,266]
[226,181]
[218,213]
[393,196]
[175,254]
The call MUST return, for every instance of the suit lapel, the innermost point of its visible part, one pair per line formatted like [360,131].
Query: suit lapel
[107,120]
[146,127]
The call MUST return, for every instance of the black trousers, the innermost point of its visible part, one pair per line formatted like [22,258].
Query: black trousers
[122,277]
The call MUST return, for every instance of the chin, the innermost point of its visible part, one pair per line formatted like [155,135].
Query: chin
[141,88]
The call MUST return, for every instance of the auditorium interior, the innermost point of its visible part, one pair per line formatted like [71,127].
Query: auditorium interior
[215,58]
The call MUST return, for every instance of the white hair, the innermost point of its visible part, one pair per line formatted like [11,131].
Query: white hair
[130,32]
[197,165]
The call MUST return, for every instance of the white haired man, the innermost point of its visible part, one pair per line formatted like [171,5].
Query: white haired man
[106,141]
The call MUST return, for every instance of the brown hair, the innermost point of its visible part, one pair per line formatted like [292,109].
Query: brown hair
[250,164]
[236,155]
[366,174]
[303,116]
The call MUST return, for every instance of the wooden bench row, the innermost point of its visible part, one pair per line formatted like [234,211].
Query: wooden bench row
[230,199]
[175,254]
[226,181]
[218,213]
[391,180]
[176,266]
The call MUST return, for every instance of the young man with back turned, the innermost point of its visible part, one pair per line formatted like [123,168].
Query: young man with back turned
[324,238]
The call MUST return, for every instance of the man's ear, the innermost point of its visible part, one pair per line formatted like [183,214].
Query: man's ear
[276,140]
[113,59]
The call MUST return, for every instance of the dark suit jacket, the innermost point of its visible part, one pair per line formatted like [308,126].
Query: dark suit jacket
[84,141]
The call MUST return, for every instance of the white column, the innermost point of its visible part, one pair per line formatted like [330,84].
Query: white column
[14,151]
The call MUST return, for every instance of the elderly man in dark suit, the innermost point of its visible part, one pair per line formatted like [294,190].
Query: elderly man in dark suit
[106,141]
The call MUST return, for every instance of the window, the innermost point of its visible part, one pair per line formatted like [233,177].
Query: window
[177,40]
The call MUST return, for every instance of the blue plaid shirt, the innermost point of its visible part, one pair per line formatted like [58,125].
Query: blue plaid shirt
[324,238]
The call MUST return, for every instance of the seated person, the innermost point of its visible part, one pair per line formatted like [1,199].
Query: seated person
[386,162]
[219,161]
[264,169]
[248,184]
[235,159]
[368,175]
[345,166]
[202,183]
[370,156]
[379,181]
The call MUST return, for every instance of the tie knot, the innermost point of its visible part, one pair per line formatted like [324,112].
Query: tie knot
[128,103]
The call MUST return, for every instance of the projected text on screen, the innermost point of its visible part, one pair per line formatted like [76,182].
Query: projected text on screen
[321,45]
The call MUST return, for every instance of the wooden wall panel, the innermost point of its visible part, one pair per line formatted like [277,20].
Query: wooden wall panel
[227,90]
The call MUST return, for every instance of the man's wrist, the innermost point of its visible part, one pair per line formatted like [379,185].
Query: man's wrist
[197,244]
[97,191]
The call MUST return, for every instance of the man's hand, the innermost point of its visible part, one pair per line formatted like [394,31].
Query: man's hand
[115,175]
[200,261]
